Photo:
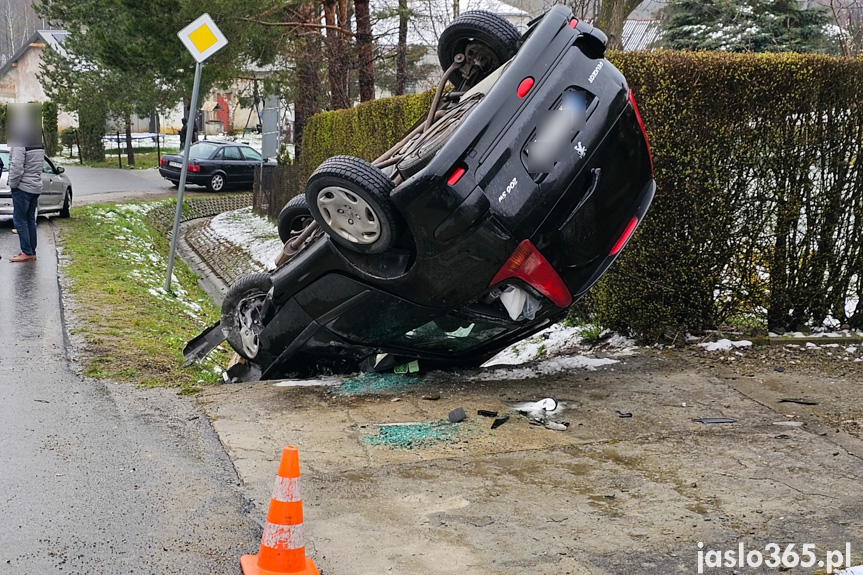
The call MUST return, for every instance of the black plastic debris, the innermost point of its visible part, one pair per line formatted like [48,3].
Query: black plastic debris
[715,420]
[499,421]
[783,436]
[623,414]
[779,368]
[457,415]
[486,413]
[798,400]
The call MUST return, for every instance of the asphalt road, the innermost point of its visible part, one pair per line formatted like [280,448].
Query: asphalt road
[97,477]
[94,181]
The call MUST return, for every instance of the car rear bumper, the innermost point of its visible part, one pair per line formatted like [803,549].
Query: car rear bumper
[191,177]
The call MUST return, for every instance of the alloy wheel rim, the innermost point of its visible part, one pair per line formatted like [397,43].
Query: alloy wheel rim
[349,215]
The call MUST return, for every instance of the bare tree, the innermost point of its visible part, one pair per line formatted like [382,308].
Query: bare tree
[402,48]
[612,15]
[365,50]
[336,17]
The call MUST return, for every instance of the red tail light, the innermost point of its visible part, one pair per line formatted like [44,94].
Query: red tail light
[631,99]
[455,176]
[624,237]
[528,265]
[573,23]
[194,168]
[524,87]
[163,161]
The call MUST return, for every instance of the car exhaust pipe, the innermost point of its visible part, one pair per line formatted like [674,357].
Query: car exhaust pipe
[295,245]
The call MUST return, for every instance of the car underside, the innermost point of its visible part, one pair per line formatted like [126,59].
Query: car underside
[498,209]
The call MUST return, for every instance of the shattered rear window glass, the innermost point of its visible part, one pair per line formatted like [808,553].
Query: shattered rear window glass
[449,333]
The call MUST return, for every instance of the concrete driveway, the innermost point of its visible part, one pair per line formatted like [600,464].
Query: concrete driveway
[610,494]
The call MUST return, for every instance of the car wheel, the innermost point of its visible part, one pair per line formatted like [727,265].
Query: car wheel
[217,182]
[242,313]
[66,210]
[294,217]
[486,39]
[350,200]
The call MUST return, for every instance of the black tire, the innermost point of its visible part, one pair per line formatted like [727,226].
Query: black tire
[217,182]
[350,200]
[245,297]
[482,27]
[294,217]
[66,210]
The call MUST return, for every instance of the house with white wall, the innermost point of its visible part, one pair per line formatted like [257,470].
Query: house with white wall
[19,75]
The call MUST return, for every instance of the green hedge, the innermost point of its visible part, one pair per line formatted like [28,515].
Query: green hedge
[760,204]
[365,131]
[759,169]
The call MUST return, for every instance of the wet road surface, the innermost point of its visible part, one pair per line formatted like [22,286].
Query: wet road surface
[92,181]
[98,477]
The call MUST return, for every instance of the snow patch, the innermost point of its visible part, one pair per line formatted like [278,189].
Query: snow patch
[724,344]
[254,234]
[547,367]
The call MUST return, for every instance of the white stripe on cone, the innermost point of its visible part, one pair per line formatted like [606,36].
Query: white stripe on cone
[287,489]
[283,536]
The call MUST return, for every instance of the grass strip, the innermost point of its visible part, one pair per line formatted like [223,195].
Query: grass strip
[134,331]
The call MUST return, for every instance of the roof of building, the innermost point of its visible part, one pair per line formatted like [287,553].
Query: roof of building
[639,34]
[52,38]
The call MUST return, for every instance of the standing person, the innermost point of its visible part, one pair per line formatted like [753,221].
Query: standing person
[183,131]
[25,181]
[195,127]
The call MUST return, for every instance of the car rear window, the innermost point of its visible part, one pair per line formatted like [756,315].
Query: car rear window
[202,151]
[4,156]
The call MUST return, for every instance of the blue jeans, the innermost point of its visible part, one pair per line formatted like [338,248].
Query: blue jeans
[24,206]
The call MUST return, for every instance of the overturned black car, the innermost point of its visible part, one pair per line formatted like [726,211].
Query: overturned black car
[477,229]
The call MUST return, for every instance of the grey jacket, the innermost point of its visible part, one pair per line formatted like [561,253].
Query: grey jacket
[25,169]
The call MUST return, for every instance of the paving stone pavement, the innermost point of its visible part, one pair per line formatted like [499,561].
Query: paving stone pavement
[223,262]
[226,260]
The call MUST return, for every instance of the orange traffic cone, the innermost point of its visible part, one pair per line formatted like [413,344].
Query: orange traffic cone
[283,548]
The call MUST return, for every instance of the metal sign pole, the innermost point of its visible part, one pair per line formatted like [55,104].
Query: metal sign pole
[193,108]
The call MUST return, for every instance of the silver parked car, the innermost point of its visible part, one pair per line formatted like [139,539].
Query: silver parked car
[56,195]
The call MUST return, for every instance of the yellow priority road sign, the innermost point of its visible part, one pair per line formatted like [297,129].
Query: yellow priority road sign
[202,38]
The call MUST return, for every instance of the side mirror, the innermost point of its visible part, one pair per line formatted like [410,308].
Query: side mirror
[59,169]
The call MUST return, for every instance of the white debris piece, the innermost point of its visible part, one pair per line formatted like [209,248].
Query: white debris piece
[539,409]
[513,299]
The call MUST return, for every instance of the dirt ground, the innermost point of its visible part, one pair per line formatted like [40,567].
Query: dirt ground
[610,494]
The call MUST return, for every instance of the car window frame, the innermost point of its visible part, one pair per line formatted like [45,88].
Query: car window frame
[239,157]
[243,149]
